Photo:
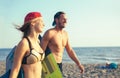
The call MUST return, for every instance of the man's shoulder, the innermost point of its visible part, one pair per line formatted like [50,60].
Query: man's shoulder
[65,32]
[50,30]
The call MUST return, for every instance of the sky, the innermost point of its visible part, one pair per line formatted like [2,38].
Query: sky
[91,23]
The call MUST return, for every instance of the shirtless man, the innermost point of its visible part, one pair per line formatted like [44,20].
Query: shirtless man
[57,39]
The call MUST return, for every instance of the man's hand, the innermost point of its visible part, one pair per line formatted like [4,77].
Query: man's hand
[81,67]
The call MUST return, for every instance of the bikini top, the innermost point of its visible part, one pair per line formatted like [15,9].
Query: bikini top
[33,56]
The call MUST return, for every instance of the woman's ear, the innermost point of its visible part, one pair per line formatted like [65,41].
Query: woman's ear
[32,23]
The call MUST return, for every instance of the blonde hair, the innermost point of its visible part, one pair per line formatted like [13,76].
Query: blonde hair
[25,28]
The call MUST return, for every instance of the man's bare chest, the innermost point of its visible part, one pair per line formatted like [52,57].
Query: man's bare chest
[59,40]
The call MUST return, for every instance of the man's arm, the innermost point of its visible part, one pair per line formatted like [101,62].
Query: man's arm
[44,41]
[73,56]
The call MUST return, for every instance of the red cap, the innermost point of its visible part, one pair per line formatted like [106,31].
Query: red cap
[31,16]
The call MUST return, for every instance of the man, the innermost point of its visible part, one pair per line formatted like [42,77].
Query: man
[57,39]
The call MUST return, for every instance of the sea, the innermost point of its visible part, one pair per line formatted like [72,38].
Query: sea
[86,55]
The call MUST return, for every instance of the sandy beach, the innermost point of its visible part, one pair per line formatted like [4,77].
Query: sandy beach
[70,70]
[91,71]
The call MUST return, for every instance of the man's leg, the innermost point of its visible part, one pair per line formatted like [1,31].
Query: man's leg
[60,66]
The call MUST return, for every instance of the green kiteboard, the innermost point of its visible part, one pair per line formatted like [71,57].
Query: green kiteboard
[50,68]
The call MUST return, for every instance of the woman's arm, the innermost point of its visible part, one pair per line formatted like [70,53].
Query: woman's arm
[20,51]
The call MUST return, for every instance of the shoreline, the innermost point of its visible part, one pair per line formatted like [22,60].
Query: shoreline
[70,70]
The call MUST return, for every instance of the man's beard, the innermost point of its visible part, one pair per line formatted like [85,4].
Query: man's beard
[61,26]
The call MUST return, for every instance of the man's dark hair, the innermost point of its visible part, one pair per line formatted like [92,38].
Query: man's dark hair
[57,15]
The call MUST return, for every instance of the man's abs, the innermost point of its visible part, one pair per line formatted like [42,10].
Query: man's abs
[58,56]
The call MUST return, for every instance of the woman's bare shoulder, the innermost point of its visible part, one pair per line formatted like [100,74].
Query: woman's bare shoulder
[23,42]
[23,45]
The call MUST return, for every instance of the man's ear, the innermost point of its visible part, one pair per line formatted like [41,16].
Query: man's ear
[56,20]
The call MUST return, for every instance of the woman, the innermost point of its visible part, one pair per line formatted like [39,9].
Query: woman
[29,54]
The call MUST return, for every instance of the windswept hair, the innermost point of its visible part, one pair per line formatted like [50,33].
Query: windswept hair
[25,29]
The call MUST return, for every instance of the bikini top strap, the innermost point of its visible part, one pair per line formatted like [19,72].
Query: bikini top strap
[29,43]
